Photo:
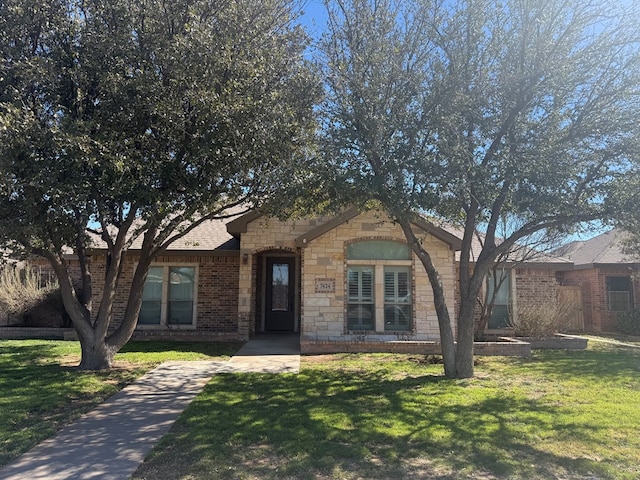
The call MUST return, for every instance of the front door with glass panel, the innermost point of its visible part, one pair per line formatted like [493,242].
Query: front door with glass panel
[280,295]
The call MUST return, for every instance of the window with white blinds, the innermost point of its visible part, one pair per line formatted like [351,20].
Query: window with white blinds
[397,298]
[379,286]
[360,298]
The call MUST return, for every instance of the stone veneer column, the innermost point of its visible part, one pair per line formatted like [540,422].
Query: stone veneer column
[245,302]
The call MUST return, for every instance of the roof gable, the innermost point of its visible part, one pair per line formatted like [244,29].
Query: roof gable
[239,226]
[442,235]
[606,248]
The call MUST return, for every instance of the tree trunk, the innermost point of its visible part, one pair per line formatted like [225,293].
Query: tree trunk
[134,302]
[481,326]
[96,353]
[470,288]
[464,356]
[449,348]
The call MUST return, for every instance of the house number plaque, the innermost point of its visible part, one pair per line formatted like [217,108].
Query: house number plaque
[325,285]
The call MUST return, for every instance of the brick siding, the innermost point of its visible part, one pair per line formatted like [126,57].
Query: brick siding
[216,294]
[593,281]
[535,286]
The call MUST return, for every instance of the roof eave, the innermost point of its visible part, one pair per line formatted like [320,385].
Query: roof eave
[327,226]
[239,225]
[454,242]
[450,239]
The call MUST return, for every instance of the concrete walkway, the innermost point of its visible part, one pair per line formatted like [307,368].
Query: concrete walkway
[268,354]
[110,442]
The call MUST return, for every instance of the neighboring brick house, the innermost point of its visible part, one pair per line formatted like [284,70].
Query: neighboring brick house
[528,286]
[605,278]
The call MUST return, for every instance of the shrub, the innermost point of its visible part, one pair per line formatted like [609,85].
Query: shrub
[540,320]
[629,322]
[24,289]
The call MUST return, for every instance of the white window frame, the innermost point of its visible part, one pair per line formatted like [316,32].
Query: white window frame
[397,302]
[378,294]
[359,301]
[628,293]
[164,303]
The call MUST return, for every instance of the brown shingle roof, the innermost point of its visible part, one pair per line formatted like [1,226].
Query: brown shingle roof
[210,236]
[524,254]
[603,249]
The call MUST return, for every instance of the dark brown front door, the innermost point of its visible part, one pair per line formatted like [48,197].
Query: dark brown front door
[280,293]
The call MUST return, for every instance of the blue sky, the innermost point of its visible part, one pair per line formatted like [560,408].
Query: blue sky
[314,18]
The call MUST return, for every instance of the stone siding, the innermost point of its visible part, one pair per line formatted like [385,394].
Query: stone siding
[324,258]
[265,236]
[322,314]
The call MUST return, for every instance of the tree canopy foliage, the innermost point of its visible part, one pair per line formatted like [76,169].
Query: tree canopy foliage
[131,119]
[627,215]
[506,118]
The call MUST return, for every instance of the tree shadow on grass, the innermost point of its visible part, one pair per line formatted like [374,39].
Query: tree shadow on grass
[38,395]
[213,349]
[326,424]
[20,353]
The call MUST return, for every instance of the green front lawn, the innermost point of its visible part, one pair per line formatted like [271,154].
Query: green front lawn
[41,390]
[562,415]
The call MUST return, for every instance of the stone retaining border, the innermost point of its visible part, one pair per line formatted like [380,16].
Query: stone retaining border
[52,333]
[505,346]
[557,342]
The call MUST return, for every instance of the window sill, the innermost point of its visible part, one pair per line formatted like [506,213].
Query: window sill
[380,332]
[499,331]
[165,327]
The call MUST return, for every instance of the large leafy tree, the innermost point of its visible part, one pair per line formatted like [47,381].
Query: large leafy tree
[506,118]
[627,216]
[140,119]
